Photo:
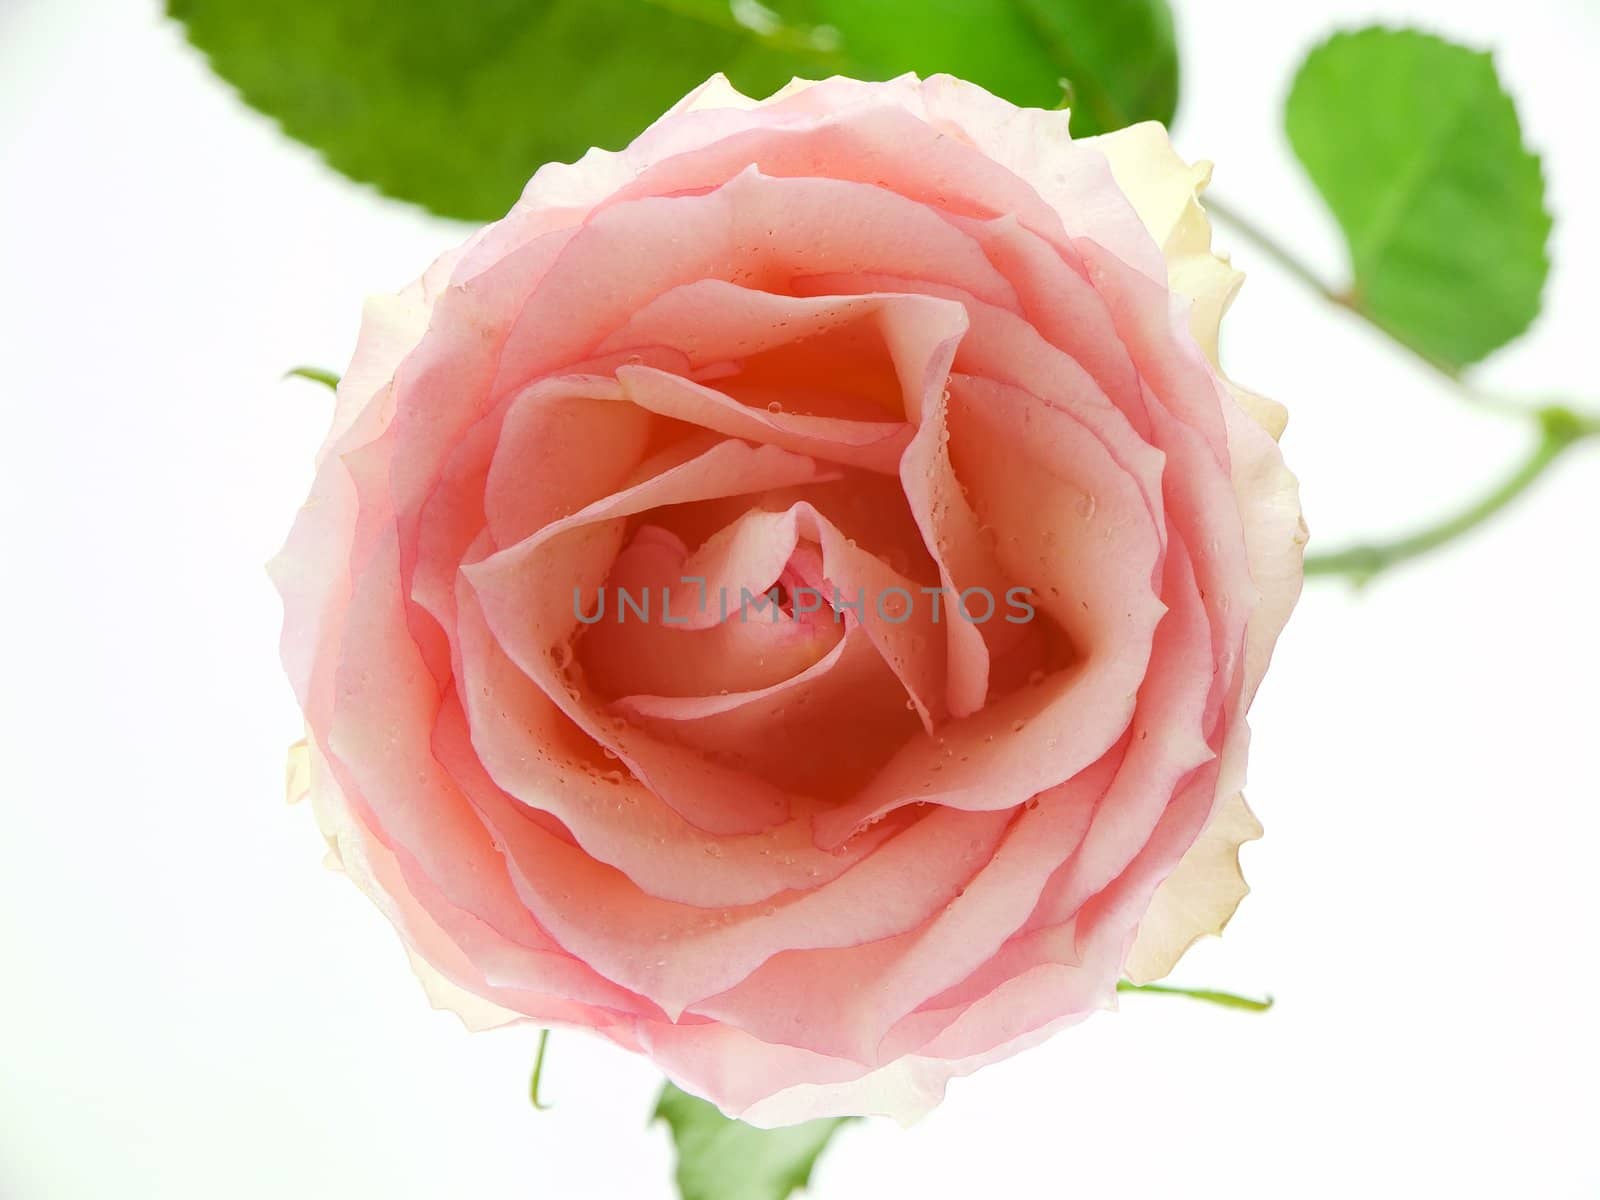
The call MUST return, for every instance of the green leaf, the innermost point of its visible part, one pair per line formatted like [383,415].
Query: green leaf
[454,106]
[720,1159]
[1416,148]
[1119,59]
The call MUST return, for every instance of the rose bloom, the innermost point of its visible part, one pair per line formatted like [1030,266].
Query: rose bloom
[867,342]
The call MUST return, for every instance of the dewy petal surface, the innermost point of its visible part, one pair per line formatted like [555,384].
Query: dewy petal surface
[887,356]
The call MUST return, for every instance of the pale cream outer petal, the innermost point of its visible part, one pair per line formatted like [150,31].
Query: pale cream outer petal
[1165,192]
[905,1090]
[476,1013]
[350,852]
[1203,891]
[297,772]
[1198,897]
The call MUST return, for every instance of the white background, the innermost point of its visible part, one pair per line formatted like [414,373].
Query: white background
[192,1007]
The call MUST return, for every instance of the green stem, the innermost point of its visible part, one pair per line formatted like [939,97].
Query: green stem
[1559,426]
[538,1071]
[1273,249]
[1208,995]
[1559,429]
[1286,258]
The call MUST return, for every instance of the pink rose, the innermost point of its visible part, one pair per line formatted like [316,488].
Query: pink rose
[896,355]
